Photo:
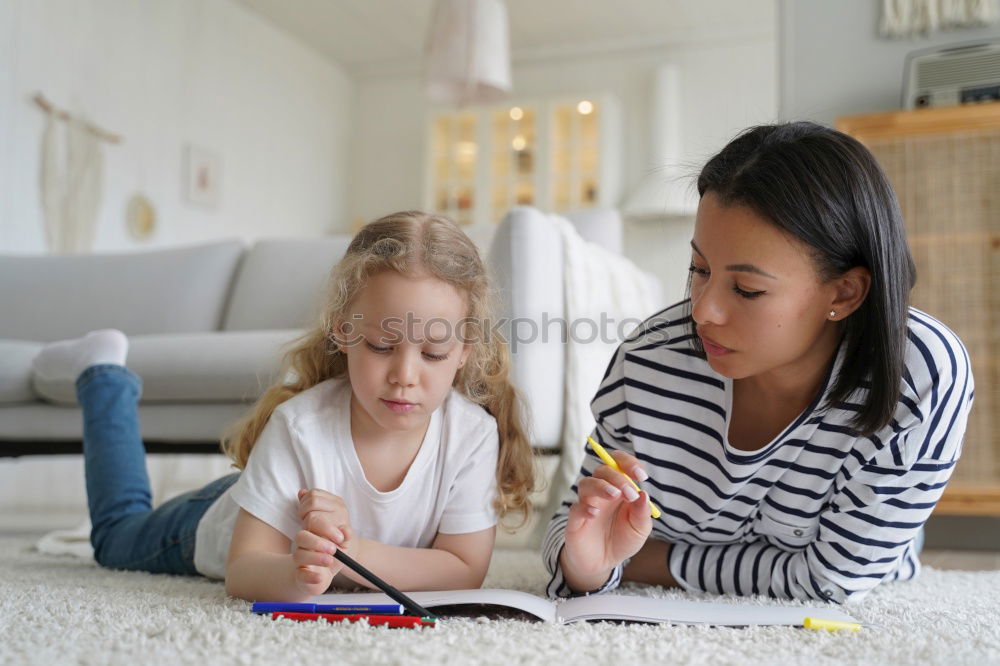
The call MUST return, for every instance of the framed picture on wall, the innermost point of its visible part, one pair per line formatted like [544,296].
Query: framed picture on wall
[202,176]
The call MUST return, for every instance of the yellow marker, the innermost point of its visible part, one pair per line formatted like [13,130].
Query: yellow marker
[829,625]
[610,462]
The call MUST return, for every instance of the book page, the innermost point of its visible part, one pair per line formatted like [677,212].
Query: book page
[476,602]
[679,611]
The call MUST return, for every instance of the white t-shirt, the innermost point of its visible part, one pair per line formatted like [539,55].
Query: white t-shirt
[449,488]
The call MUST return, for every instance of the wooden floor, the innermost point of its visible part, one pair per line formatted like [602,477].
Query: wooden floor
[962,560]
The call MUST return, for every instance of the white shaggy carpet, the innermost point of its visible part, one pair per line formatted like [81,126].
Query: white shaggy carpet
[61,609]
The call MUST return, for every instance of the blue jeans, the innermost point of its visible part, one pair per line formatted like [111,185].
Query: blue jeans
[126,532]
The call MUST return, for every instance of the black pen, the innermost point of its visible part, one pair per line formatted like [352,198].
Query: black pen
[408,603]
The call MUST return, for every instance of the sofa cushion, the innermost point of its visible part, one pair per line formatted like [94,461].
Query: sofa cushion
[15,370]
[164,422]
[196,367]
[49,298]
[281,282]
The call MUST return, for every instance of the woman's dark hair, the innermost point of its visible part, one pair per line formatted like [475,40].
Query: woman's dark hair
[826,189]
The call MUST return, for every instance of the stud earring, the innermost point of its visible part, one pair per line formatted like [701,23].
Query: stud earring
[833,313]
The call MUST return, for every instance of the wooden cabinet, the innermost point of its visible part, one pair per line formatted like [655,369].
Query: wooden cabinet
[944,165]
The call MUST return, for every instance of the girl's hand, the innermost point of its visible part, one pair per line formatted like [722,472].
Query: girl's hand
[325,528]
[608,523]
[325,514]
[315,564]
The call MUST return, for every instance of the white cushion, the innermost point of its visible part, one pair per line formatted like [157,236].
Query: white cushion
[281,282]
[47,298]
[15,370]
[175,422]
[196,367]
[526,263]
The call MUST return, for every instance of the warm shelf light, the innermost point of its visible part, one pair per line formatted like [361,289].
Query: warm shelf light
[465,151]
[516,113]
[586,107]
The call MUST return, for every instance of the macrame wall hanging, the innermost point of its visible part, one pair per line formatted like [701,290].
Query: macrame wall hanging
[907,18]
[71,174]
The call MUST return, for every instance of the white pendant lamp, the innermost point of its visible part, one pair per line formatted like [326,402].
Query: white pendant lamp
[468,52]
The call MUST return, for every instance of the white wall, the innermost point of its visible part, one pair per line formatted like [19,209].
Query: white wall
[163,74]
[834,63]
[726,85]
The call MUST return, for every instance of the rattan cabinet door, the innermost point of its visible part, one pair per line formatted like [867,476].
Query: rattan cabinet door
[944,165]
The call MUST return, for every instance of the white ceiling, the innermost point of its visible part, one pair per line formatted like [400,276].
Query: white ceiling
[366,35]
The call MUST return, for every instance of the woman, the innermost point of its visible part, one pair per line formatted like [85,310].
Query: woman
[795,420]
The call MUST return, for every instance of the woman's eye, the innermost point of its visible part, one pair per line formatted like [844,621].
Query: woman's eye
[435,357]
[743,293]
[377,349]
[747,294]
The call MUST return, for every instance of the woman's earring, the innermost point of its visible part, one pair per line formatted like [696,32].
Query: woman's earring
[833,313]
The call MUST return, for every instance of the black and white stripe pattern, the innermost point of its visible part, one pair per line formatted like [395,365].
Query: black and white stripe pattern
[820,512]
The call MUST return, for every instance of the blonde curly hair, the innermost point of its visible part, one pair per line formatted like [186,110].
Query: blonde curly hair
[411,242]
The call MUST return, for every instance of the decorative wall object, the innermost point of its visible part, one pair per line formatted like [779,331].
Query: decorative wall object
[202,176]
[905,18]
[140,217]
[71,177]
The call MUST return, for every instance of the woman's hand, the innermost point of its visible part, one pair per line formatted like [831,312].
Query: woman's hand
[326,527]
[608,523]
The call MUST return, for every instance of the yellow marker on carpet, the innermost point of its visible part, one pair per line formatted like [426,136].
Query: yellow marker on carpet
[610,462]
[829,625]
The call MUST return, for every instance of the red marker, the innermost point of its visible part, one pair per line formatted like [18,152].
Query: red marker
[391,621]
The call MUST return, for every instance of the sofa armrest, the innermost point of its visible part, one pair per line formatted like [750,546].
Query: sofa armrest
[525,260]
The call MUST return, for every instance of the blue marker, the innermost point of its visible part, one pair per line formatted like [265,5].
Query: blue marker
[268,607]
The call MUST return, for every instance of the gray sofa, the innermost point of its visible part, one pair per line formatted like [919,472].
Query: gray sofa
[207,325]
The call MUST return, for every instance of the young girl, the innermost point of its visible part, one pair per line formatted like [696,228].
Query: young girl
[794,419]
[397,438]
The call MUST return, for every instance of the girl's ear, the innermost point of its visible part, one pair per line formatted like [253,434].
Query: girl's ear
[851,289]
[466,350]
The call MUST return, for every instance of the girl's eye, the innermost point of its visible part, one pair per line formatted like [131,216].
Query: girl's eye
[435,357]
[747,294]
[699,271]
[377,349]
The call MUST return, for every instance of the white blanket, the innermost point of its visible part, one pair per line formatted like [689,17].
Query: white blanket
[603,290]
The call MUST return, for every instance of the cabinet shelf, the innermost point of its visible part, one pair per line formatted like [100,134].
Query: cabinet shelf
[557,154]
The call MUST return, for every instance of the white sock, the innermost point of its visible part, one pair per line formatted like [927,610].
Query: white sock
[66,359]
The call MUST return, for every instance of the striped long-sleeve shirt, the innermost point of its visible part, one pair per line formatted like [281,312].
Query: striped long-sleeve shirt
[818,513]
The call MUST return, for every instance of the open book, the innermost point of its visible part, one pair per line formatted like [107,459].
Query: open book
[615,607]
